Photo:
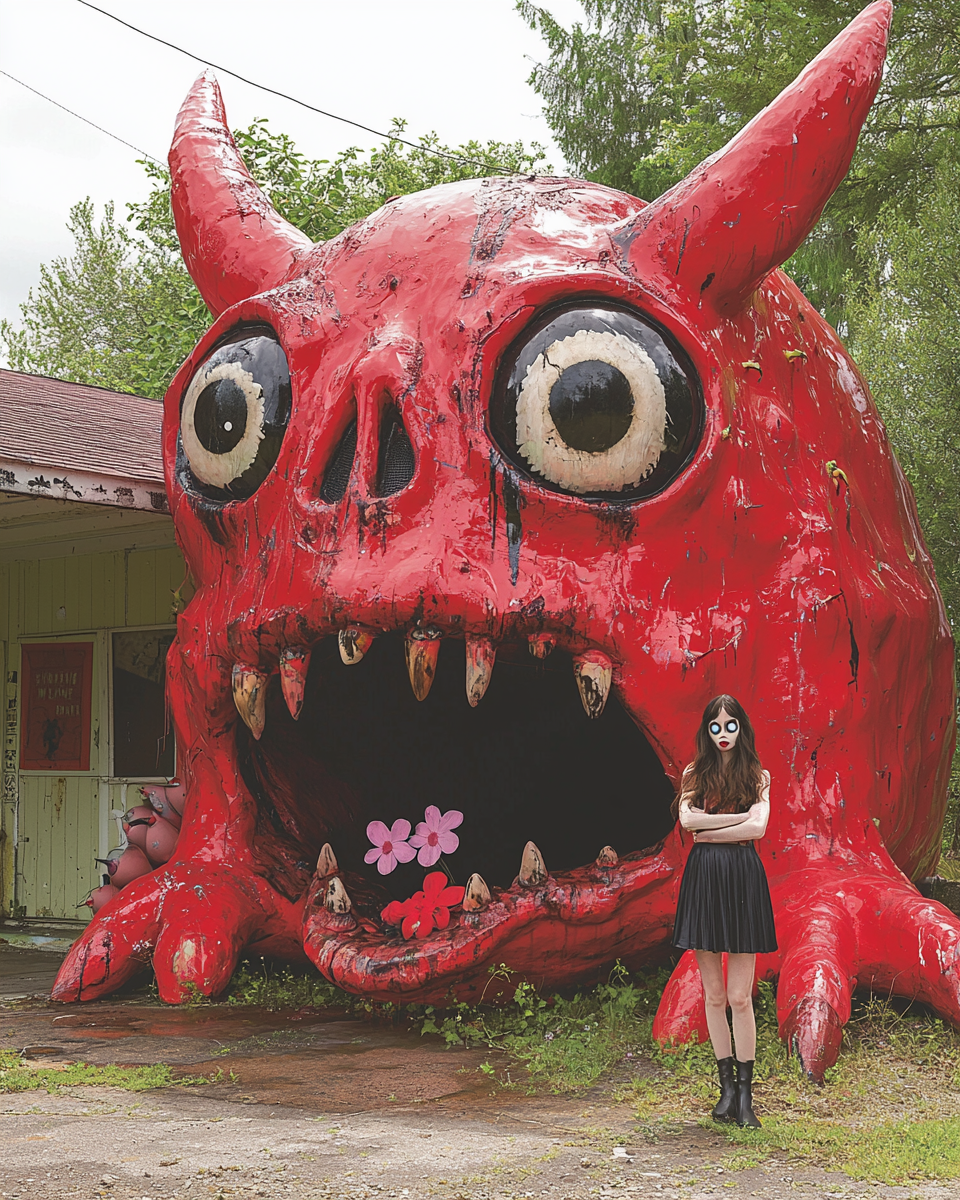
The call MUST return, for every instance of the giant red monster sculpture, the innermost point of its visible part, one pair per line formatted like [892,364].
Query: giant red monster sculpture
[532,415]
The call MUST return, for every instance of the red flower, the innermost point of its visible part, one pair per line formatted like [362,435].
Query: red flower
[395,911]
[426,910]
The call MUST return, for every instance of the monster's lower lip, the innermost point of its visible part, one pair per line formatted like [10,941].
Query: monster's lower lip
[525,765]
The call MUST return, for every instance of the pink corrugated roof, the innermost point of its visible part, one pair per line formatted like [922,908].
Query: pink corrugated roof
[72,427]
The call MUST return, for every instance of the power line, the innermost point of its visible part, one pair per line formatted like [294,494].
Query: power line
[474,162]
[85,120]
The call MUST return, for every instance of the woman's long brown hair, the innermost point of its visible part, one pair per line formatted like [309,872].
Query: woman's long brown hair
[713,789]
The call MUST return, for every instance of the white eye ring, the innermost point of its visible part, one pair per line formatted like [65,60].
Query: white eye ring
[624,464]
[220,470]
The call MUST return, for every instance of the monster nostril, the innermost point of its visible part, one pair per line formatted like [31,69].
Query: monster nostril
[396,461]
[337,477]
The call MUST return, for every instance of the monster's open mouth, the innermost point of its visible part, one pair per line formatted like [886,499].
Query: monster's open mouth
[527,764]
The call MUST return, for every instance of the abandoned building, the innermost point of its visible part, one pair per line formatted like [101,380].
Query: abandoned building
[90,577]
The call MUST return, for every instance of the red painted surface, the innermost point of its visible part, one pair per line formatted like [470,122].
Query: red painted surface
[233,241]
[757,571]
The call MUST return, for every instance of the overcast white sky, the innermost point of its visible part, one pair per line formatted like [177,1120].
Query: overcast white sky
[455,66]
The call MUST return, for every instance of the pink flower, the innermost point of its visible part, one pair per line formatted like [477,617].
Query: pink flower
[390,846]
[434,836]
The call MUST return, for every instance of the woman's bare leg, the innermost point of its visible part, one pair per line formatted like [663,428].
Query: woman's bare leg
[740,973]
[715,1000]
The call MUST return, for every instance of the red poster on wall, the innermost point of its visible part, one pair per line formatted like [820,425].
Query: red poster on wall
[57,694]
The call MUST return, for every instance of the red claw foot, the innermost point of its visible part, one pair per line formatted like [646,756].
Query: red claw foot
[192,918]
[681,1016]
[840,925]
[847,925]
[813,1032]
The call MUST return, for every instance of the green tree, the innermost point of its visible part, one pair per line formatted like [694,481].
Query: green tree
[121,311]
[642,90]
[107,315]
[907,343]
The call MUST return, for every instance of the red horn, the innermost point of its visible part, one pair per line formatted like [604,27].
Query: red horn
[234,243]
[744,210]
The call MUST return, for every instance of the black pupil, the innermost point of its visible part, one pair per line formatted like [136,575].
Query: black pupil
[591,405]
[220,416]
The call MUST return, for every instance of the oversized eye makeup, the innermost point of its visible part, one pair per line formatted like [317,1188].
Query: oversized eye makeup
[724,731]
[730,726]
[596,402]
[234,415]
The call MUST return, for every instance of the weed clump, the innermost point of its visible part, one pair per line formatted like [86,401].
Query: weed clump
[18,1075]
[564,1042]
[259,983]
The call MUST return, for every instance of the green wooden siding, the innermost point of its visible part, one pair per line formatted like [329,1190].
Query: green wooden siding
[73,572]
[99,591]
[59,833]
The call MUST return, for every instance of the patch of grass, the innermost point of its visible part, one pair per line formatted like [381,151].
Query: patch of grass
[746,1158]
[892,1152]
[275,987]
[564,1042]
[260,983]
[18,1075]
[949,868]
[889,1112]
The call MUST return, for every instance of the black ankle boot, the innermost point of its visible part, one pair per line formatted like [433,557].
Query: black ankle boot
[745,1115]
[726,1109]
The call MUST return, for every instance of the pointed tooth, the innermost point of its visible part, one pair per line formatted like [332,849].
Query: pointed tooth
[421,653]
[336,900]
[476,894]
[354,643]
[593,672]
[533,872]
[540,644]
[250,696]
[607,857]
[481,655]
[327,862]
[294,664]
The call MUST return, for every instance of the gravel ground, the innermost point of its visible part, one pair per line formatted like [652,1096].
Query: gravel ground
[320,1106]
[96,1142]
[189,1143]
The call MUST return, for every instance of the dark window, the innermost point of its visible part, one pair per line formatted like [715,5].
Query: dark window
[142,743]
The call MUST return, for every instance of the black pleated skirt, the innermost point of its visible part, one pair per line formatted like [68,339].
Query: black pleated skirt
[724,901]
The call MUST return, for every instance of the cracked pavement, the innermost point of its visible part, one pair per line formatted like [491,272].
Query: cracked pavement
[318,1105]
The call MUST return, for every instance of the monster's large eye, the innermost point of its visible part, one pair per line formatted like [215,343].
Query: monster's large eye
[234,415]
[594,401]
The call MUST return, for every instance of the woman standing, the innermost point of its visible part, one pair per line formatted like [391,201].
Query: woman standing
[724,905]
